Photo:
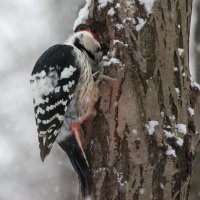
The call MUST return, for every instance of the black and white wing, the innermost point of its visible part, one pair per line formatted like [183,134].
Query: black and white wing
[53,81]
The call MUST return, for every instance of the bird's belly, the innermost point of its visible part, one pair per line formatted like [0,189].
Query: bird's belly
[85,98]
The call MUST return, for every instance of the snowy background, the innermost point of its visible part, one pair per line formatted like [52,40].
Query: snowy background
[28,27]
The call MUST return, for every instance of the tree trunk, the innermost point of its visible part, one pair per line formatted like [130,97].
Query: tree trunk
[143,139]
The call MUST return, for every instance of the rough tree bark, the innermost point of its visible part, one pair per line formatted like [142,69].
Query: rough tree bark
[142,142]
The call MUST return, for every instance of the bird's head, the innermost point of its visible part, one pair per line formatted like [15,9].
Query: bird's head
[86,41]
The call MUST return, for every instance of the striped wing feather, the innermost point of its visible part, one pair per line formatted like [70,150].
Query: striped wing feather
[53,81]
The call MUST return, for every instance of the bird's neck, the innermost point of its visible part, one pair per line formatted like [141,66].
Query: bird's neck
[76,42]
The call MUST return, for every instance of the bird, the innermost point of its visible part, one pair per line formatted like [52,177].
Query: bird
[64,95]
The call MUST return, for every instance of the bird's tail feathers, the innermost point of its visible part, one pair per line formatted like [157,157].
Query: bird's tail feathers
[79,162]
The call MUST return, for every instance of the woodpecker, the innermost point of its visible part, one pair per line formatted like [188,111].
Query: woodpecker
[64,94]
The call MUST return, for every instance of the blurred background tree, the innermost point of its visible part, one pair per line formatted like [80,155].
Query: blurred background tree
[28,28]
[197,39]
[195,71]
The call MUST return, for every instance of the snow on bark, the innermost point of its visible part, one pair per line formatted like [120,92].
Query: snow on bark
[181,128]
[104,3]
[83,14]
[170,151]
[111,12]
[191,111]
[151,127]
[148,4]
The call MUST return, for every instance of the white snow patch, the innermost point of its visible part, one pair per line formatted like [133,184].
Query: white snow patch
[179,141]
[134,131]
[162,114]
[67,72]
[103,3]
[180,51]
[118,41]
[120,177]
[161,186]
[170,151]
[194,84]
[148,4]
[175,69]
[141,24]
[172,118]
[141,191]
[151,127]
[111,12]
[168,134]
[42,85]
[100,170]
[118,5]
[177,92]
[83,14]
[112,60]
[119,26]
[181,128]
[191,111]
[115,104]
[128,19]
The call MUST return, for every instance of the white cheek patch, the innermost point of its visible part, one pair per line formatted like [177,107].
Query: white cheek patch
[91,44]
